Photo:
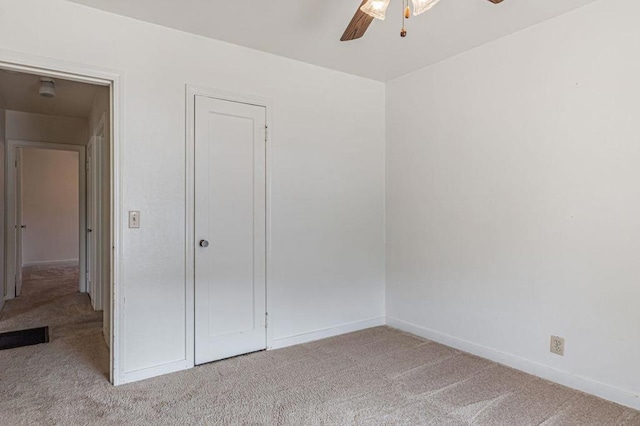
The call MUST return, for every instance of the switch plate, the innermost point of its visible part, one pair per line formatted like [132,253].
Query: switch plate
[134,219]
[557,345]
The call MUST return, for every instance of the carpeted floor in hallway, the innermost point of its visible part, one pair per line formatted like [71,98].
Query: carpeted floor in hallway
[378,376]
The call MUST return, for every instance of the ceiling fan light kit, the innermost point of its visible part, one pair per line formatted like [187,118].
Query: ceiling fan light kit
[377,9]
[421,6]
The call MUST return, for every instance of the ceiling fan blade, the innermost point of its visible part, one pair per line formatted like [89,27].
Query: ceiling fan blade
[495,1]
[358,25]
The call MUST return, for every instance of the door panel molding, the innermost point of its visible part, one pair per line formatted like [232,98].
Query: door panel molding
[191,92]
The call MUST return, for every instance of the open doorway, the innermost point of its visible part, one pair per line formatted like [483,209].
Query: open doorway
[57,210]
[46,209]
[48,198]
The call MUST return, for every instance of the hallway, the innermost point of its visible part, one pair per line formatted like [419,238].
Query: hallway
[50,297]
[76,355]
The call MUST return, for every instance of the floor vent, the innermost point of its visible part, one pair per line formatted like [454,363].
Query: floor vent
[16,339]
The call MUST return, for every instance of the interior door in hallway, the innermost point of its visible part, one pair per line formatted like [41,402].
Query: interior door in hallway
[92,224]
[230,229]
[19,225]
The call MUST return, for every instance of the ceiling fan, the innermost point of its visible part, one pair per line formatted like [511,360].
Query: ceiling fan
[377,9]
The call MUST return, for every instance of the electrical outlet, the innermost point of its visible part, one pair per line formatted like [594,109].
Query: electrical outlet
[557,345]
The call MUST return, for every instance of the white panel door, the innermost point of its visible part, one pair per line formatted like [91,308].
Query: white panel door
[19,225]
[90,223]
[230,229]
[93,224]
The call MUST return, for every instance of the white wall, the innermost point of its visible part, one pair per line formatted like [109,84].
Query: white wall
[327,172]
[513,198]
[50,206]
[46,128]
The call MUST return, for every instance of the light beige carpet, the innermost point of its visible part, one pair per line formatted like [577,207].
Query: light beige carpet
[378,376]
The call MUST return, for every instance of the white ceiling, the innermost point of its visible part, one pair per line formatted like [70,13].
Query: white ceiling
[20,93]
[309,30]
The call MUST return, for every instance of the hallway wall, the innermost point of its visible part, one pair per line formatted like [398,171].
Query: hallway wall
[28,126]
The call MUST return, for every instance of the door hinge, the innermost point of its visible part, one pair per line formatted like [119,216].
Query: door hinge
[266,319]
[266,133]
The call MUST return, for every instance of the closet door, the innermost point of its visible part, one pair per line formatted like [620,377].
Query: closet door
[230,229]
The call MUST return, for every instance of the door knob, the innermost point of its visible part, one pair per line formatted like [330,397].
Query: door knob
[204,243]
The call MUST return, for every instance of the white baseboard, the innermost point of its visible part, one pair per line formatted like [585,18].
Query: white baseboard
[562,377]
[51,262]
[172,367]
[147,373]
[297,339]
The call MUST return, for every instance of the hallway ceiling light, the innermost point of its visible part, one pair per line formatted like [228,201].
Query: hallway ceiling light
[47,87]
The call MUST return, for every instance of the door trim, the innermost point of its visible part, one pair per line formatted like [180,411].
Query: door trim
[59,68]
[190,98]
[11,204]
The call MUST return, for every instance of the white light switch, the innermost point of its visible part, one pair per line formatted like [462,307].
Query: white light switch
[134,219]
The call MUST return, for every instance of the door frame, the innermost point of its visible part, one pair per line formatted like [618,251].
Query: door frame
[11,268]
[59,68]
[190,99]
